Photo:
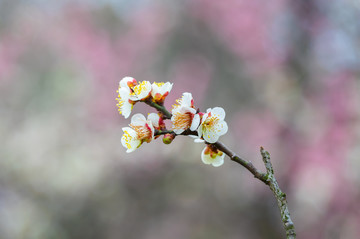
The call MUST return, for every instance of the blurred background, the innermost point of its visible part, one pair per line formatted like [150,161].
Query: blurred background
[286,72]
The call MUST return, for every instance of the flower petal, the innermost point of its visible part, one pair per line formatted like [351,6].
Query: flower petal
[124,93]
[210,135]
[200,131]
[195,122]
[150,127]
[187,99]
[218,160]
[221,128]
[210,157]
[129,139]
[167,87]
[154,118]
[124,82]
[178,131]
[126,109]
[138,120]
[205,116]
[141,90]
[205,158]
[198,140]
[218,112]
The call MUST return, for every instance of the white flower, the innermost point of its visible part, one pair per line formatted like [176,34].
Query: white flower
[159,91]
[125,105]
[127,82]
[184,115]
[185,101]
[156,121]
[140,91]
[129,92]
[140,130]
[211,155]
[213,125]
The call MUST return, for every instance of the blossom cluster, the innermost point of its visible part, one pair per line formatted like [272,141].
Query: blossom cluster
[185,118]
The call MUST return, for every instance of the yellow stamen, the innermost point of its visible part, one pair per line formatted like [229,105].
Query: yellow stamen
[127,138]
[140,88]
[182,121]
[159,84]
[142,132]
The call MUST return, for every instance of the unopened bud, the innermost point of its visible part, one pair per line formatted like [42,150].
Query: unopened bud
[168,138]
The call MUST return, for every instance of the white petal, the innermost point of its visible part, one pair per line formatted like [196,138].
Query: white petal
[187,99]
[218,112]
[205,116]
[198,140]
[129,139]
[126,109]
[154,89]
[186,109]
[154,118]
[142,90]
[210,136]
[205,158]
[195,122]
[174,110]
[124,93]
[178,131]
[167,87]
[138,119]
[152,129]
[221,128]
[200,131]
[218,161]
[124,81]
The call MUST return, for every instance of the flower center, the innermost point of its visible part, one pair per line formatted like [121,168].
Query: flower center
[182,121]
[142,132]
[139,88]
[211,121]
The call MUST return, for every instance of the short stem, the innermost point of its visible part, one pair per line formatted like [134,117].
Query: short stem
[166,114]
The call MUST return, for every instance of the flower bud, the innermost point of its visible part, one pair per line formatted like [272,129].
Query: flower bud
[168,138]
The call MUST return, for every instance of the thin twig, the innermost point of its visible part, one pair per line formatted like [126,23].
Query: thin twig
[160,108]
[279,195]
[247,164]
[268,178]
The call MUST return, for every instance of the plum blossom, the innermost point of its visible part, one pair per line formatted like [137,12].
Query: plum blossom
[129,92]
[140,130]
[213,125]
[140,91]
[211,155]
[159,91]
[156,120]
[184,115]
[125,105]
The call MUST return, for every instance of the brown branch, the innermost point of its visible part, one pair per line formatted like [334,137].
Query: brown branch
[247,164]
[268,178]
[160,108]
[279,195]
